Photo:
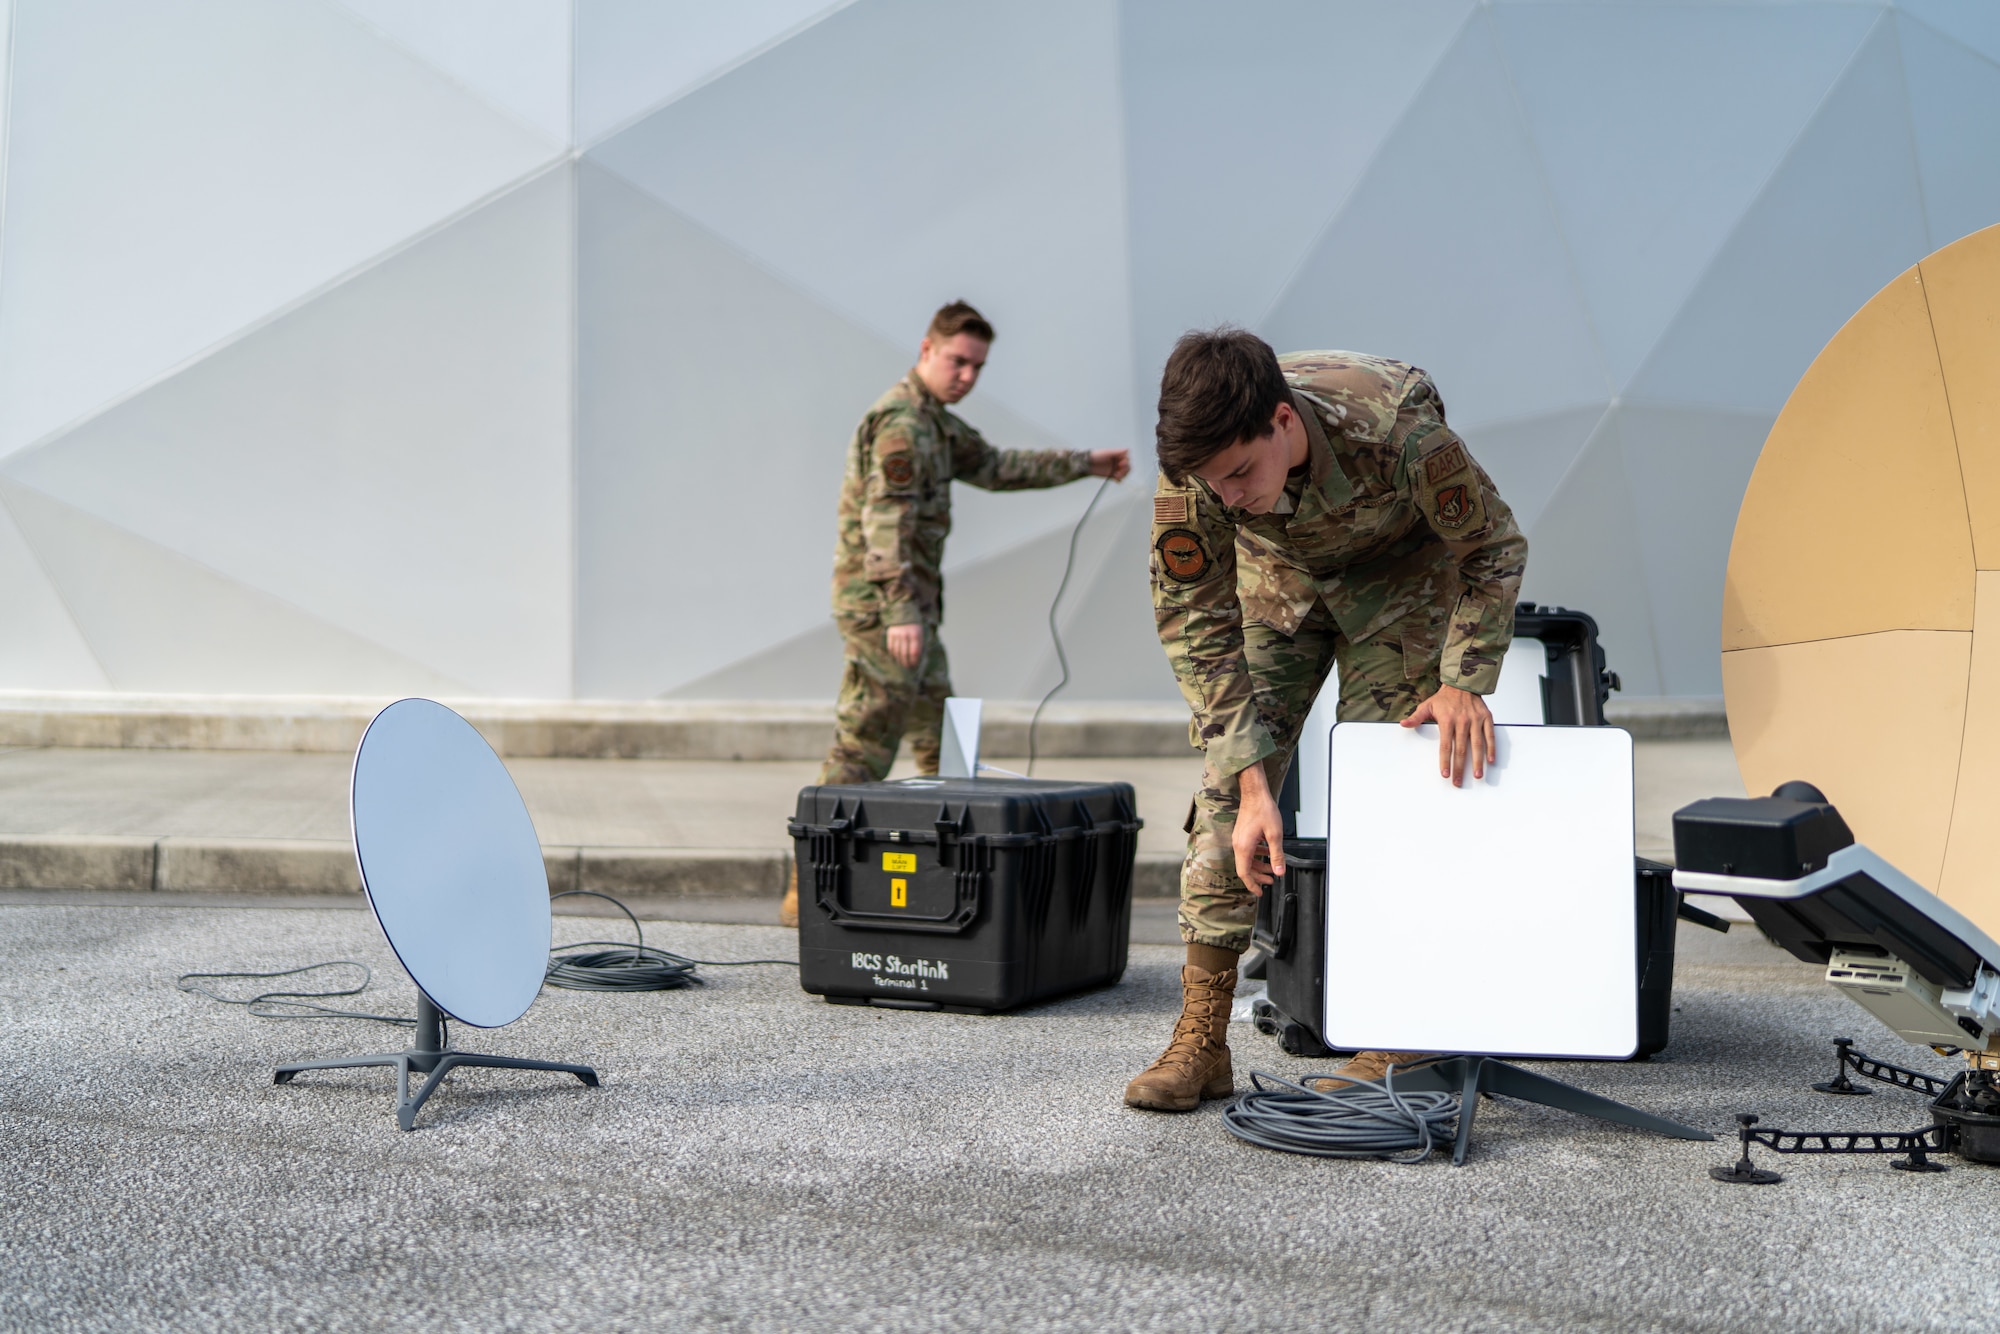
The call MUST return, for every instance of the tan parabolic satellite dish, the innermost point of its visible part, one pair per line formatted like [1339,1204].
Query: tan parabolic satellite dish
[1861,616]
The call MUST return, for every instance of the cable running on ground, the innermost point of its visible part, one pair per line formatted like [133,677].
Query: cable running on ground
[293,1004]
[1362,1120]
[1055,635]
[616,967]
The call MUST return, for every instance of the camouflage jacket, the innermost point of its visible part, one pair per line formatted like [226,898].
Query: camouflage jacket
[895,504]
[1393,524]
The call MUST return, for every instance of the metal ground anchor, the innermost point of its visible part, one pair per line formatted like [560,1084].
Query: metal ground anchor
[1840,1083]
[1745,1172]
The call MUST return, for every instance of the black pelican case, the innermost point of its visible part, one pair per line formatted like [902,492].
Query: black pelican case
[1291,932]
[963,894]
[1291,926]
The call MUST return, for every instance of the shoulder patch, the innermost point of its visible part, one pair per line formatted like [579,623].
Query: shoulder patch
[1182,556]
[1454,505]
[1444,463]
[1170,509]
[897,469]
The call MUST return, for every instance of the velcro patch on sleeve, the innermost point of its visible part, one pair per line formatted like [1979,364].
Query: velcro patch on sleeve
[1453,505]
[1170,509]
[1183,558]
[1451,459]
[897,470]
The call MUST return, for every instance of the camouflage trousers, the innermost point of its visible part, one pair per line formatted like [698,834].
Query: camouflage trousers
[1376,686]
[882,701]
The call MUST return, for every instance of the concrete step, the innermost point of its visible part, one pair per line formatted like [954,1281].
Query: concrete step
[645,729]
[263,866]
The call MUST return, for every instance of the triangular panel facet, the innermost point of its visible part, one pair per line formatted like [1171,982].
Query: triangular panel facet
[1528,459]
[1230,179]
[636,54]
[1687,468]
[1657,126]
[1974,24]
[951,151]
[1447,253]
[159,622]
[708,464]
[392,457]
[1841,217]
[42,649]
[1583,553]
[513,53]
[178,174]
[1955,111]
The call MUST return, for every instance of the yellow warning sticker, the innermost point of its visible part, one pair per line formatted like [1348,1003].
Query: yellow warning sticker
[899,893]
[899,861]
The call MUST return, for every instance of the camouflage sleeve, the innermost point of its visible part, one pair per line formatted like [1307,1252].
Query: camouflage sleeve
[1200,621]
[1459,501]
[888,519]
[975,461]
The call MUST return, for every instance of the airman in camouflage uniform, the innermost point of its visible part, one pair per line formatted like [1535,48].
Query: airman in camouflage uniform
[888,562]
[895,510]
[1390,556]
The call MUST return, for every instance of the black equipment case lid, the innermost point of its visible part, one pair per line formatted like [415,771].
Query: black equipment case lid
[959,893]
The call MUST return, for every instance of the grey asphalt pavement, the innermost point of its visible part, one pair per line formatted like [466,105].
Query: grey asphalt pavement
[757,1160]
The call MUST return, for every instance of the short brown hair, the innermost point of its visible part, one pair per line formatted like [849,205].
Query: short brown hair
[1221,387]
[959,318]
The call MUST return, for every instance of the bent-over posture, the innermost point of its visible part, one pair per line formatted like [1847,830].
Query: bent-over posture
[1314,512]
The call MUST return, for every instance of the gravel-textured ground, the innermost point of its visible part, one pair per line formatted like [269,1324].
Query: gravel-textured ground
[758,1160]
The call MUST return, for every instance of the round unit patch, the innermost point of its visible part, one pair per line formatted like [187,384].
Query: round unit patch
[1182,555]
[897,469]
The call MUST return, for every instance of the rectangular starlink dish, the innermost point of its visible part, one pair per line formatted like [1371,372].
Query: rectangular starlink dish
[1495,918]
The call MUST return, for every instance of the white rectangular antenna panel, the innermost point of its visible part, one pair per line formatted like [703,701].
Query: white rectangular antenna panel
[958,756]
[1518,700]
[1497,918]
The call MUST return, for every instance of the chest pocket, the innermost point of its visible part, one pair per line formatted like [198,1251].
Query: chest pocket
[1271,592]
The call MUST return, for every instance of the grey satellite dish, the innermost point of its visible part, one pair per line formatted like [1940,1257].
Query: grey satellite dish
[453,870]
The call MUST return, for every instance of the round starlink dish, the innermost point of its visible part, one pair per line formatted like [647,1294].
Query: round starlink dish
[451,862]
[1861,615]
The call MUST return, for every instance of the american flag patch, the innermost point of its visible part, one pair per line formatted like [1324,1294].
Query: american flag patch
[1170,509]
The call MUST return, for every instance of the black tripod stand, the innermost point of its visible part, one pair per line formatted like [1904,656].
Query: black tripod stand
[427,1054]
[1470,1076]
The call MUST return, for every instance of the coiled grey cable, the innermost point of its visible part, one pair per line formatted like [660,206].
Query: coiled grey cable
[1362,1120]
[635,967]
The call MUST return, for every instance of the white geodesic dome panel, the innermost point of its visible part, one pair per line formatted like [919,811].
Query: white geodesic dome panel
[511,347]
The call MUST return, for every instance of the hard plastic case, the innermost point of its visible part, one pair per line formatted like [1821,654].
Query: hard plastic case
[1291,927]
[963,894]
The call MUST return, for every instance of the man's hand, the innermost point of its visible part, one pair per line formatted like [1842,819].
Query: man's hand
[1259,842]
[906,644]
[1465,731]
[1112,463]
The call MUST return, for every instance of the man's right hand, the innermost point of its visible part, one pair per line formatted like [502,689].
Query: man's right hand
[1260,831]
[906,644]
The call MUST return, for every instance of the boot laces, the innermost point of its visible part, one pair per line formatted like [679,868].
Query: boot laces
[1194,1035]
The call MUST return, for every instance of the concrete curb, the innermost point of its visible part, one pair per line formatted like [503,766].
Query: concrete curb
[326,867]
[649,729]
[645,729]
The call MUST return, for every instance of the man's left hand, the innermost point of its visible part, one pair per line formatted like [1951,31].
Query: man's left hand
[1112,463]
[1465,731]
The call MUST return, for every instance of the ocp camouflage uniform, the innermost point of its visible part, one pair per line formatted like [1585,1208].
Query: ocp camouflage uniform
[1394,559]
[895,510]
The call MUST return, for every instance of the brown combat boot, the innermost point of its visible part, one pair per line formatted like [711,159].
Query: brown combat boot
[1196,1062]
[1368,1065]
[788,910]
